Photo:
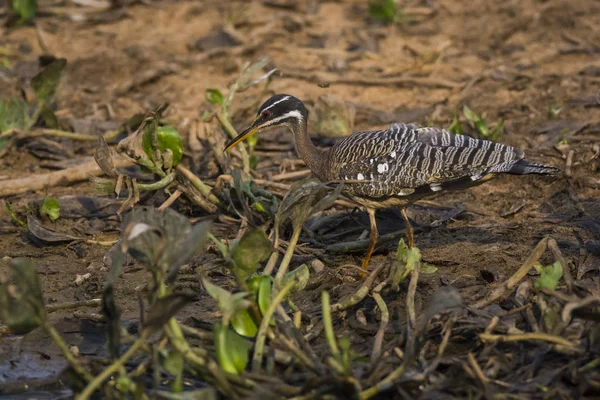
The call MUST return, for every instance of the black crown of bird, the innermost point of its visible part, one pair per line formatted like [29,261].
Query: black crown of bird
[397,166]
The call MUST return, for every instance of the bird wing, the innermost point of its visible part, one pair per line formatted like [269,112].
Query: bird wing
[405,157]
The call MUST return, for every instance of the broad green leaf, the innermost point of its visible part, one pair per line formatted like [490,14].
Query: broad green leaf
[168,139]
[21,298]
[214,96]
[253,248]
[232,349]
[300,275]
[549,275]
[264,295]
[243,324]
[45,83]
[51,207]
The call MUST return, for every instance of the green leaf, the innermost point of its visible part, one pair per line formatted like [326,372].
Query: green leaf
[167,139]
[21,298]
[384,10]
[253,248]
[45,83]
[214,96]
[51,207]
[300,275]
[407,260]
[455,125]
[264,296]
[232,349]
[228,303]
[24,9]
[549,275]
[254,159]
[243,324]
[470,115]
[13,115]
[428,269]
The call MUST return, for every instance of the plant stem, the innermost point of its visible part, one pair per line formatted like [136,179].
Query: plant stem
[283,267]
[328,325]
[233,133]
[157,185]
[203,188]
[50,308]
[385,383]
[60,343]
[114,367]
[261,336]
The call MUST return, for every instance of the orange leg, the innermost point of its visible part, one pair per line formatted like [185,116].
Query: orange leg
[372,238]
[410,232]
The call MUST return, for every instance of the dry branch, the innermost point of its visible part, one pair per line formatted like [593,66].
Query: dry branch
[58,178]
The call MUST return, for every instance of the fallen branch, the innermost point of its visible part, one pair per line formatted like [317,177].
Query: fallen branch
[58,178]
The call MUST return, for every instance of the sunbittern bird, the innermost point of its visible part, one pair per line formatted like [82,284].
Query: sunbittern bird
[397,166]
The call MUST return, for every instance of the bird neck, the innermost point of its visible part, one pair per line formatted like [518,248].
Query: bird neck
[315,158]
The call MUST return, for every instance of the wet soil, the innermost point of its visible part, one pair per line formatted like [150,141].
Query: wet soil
[515,61]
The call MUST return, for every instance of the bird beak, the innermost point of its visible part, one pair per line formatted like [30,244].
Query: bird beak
[250,131]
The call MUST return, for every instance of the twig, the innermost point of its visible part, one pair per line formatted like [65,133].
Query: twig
[289,252]
[385,383]
[410,311]
[74,135]
[203,188]
[172,198]
[514,280]
[98,380]
[291,175]
[360,294]
[531,336]
[50,308]
[264,325]
[478,372]
[385,318]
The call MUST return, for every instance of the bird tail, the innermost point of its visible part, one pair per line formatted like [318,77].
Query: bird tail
[523,166]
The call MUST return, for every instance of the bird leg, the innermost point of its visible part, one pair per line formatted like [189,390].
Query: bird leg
[410,232]
[372,238]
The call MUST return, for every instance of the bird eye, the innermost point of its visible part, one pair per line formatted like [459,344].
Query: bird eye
[267,114]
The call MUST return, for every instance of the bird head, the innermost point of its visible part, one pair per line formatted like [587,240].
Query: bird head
[281,109]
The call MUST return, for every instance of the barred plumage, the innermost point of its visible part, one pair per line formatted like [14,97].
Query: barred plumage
[407,160]
[395,166]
